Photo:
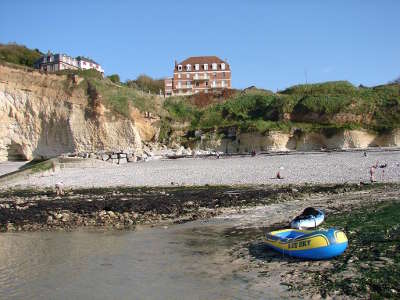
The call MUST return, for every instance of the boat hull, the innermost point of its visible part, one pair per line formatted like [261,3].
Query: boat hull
[312,245]
[311,221]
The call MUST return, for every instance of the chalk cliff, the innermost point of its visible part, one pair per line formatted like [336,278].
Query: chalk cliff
[41,116]
[302,141]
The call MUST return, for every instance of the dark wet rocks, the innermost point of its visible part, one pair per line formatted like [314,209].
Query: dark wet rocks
[125,207]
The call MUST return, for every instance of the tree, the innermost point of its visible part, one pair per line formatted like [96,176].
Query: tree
[114,78]
[146,83]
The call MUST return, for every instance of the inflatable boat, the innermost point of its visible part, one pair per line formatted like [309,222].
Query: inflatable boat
[310,218]
[308,244]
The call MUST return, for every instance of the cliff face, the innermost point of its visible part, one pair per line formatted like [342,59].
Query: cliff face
[280,141]
[42,117]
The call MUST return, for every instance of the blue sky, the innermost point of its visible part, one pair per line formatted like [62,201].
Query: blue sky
[270,44]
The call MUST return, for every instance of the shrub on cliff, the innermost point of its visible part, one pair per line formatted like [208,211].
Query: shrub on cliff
[19,54]
[114,78]
[147,84]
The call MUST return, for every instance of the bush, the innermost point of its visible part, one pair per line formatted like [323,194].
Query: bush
[147,84]
[114,78]
[19,54]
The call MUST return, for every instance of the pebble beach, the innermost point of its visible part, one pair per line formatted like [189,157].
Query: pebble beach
[296,168]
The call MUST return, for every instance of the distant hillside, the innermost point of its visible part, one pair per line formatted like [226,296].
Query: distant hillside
[310,107]
[19,54]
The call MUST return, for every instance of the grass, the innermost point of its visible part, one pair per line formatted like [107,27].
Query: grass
[118,98]
[42,166]
[374,246]
[311,107]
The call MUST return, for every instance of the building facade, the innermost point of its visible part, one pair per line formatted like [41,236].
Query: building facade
[198,74]
[58,62]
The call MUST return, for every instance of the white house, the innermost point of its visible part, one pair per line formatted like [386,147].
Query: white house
[58,62]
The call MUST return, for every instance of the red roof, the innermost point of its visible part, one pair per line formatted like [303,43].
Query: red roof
[201,60]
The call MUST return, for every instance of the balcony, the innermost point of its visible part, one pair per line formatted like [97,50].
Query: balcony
[200,78]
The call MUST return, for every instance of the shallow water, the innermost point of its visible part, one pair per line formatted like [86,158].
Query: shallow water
[187,261]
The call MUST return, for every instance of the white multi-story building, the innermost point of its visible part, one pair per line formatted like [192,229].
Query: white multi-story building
[58,62]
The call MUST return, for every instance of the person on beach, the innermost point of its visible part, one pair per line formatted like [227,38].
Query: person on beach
[371,174]
[59,188]
[278,175]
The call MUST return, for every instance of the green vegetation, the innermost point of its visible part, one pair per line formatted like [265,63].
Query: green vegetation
[374,251]
[114,78]
[19,54]
[147,84]
[42,166]
[329,107]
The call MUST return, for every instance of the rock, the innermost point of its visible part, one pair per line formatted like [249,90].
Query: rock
[10,226]
[65,217]
[49,220]
[111,214]
[180,150]
[188,204]
[105,157]
[132,159]
[58,216]
[129,222]
[122,161]
[19,201]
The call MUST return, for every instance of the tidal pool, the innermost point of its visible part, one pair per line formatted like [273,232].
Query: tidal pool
[185,261]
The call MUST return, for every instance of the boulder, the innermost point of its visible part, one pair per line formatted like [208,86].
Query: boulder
[122,161]
[132,159]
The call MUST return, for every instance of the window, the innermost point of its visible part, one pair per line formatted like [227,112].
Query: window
[205,76]
[214,83]
[223,83]
[206,67]
[197,84]
[214,66]
[188,84]
[188,67]
[197,67]
[179,67]
[215,74]
[179,75]
[179,84]
[206,83]
[187,76]
[223,74]
[196,76]
[222,66]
